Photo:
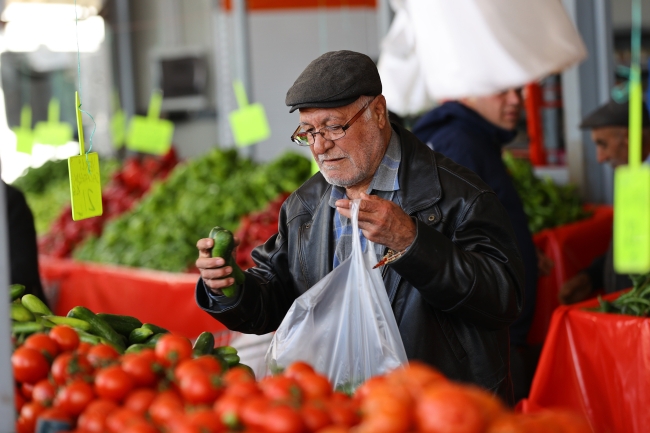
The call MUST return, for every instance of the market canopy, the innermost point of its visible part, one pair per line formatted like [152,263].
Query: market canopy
[440,49]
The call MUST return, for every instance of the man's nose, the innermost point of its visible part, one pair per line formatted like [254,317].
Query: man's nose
[513,97]
[601,155]
[321,145]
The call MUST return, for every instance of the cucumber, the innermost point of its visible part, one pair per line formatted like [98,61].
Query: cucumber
[21,314]
[122,324]
[98,326]
[88,338]
[155,329]
[231,359]
[139,335]
[68,321]
[245,367]
[203,344]
[154,339]
[223,245]
[224,350]
[25,327]
[16,290]
[35,305]
[135,348]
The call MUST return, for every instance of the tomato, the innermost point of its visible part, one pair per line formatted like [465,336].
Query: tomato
[139,400]
[342,412]
[29,413]
[141,367]
[83,347]
[228,409]
[54,414]
[19,399]
[314,385]
[243,389]
[280,388]
[140,427]
[253,411]
[44,392]
[172,349]
[181,424]
[448,408]
[199,387]
[66,337]
[113,383]
[29,365]
[93,419]
[122,418]
[71,366]
[74,397]
[206,420]
[208,363]
[297,369]
[283,419]
[44,344]
[314,415]
[102,355]
[24,426]
[165,406]
[26,390]
[237,374]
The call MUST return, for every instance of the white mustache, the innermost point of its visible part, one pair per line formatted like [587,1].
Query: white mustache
[322,158]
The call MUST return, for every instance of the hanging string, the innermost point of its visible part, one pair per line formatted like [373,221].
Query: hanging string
[621,92]
[76,23]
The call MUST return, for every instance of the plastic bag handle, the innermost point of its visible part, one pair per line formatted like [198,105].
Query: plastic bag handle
[354,216]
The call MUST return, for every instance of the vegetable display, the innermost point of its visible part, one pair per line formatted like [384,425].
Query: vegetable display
[546,204]
[217,189]
[636,302]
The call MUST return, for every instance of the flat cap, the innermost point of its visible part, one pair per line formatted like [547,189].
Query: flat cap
[335,79]
[612,114]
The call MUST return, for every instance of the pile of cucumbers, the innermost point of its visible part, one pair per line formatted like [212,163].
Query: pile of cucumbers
[126,334]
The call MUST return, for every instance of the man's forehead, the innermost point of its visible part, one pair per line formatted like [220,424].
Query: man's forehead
[322,115]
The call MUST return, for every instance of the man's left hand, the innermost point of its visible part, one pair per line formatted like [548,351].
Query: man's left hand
[382,221]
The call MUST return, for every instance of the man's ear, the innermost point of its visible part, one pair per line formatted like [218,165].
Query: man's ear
[380,111]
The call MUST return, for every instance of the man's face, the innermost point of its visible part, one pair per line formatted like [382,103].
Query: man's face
[611,145]
[350,160]
[501,109]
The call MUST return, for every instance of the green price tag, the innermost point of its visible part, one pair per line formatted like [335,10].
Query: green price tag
[85,185]
[150,134]
[118,123]
[53,131]
[24,133]
[249,124]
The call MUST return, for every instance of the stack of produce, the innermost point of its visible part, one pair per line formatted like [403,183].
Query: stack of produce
[217,189]
[257,228]
[636,302]
[47,189]
[124,189]
[546,204]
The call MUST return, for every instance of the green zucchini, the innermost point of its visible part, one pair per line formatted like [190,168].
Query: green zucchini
[25,327]
[98,326]
[16,290]
[20,313]
[139,335]
[155,329]
[68,321]
[35,305]
[223,245]
[203,344]
[122,324]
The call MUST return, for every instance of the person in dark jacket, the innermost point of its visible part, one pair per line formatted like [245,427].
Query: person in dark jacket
[23,251]
[456,279]
[472,132]
[609,131]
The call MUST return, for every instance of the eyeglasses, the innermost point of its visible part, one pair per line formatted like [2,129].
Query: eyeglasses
[333,132]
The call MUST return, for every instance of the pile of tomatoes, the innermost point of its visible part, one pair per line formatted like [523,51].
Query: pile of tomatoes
[97,390]
[124,189]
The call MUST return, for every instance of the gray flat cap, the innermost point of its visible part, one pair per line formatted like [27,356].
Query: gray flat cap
[335,79]
[612,114]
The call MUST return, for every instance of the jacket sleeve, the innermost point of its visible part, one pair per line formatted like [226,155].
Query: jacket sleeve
[266,295]
[476,273]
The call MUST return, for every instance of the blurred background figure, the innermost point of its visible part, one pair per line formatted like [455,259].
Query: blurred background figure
[609,131]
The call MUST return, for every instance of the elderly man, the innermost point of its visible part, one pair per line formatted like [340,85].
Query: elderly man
[609,129]
[455,276]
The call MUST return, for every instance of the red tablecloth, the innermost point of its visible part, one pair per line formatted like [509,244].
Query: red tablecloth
[163,298]
[572,248]
[597,364]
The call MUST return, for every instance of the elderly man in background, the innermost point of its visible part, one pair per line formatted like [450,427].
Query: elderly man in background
[454,277]
[609,130]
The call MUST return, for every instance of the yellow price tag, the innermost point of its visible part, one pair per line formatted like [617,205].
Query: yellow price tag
[151,134]
[249,124]
[85,185]
[24,133]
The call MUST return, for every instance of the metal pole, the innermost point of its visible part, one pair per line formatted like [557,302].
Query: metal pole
[384,18]
[242,55]
[7,408]
[125,59]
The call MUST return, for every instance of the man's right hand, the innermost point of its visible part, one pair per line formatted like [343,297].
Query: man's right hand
[575,290]
[215,273]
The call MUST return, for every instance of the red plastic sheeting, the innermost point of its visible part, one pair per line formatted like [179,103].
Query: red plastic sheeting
[597,364]
[163,298]
[572,248]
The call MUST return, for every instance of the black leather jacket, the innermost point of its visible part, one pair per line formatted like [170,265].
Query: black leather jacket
[453,293]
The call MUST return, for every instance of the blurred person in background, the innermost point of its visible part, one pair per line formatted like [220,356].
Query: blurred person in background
[456,278]
[472,132]
[609,130]
[23,250]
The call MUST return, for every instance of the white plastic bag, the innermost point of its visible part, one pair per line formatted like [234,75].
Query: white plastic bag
[344,325]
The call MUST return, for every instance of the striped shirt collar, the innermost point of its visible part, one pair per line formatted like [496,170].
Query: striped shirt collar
[385,178]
